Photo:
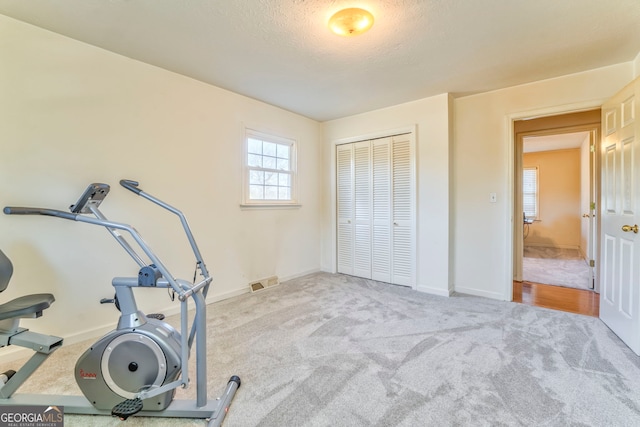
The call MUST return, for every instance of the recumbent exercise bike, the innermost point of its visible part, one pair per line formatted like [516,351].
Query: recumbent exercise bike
[136,368]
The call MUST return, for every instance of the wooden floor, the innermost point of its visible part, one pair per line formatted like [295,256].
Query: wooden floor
[557,298]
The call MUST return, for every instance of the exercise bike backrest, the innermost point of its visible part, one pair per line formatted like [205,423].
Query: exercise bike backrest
[6,271]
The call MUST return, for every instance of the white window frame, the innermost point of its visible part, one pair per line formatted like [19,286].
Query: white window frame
[275,139]
[535,173]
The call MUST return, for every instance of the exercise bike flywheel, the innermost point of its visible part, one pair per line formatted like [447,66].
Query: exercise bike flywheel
[133,362]
[126,362]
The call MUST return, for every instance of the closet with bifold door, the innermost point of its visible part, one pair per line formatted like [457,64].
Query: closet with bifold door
[376,209]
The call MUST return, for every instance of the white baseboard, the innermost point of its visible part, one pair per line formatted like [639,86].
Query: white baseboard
[479,293]
[295,276]
[547,245]
[583,254]
[434,291]
[221,297]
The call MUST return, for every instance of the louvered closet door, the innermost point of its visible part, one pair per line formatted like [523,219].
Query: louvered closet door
[345,202]
[381,212]
[362,209]
[402,199]
[376,220]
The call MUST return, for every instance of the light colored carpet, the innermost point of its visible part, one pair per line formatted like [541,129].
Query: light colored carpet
[335,350]
[556,266]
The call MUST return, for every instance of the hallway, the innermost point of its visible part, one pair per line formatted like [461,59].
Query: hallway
[556,266]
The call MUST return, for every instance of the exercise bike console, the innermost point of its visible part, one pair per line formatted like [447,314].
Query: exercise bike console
[91,198]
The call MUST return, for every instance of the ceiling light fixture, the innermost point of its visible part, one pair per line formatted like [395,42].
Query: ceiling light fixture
[351,22]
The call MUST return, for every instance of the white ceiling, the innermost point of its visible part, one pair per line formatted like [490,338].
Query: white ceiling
[563,141]
[281,52]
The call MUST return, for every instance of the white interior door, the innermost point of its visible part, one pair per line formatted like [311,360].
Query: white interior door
[362,209]
[345,190]
[376,232]
[381,241]
[403,235]
[620,243]
[594,185]
[588,202]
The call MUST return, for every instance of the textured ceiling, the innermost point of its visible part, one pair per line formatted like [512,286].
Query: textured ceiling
[281,52]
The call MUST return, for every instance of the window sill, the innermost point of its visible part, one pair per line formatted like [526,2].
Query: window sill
[252,206]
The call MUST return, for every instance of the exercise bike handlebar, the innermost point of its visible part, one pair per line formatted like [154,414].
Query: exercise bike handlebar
[182,293]
[132,186]
[15,210]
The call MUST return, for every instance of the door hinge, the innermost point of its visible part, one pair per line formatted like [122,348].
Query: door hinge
[592,263]
[592,148]
[593,206]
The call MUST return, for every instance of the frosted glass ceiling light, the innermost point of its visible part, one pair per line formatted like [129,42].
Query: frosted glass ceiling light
[351,22]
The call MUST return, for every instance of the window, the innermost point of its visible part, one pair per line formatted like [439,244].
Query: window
[530,193]
[270,165]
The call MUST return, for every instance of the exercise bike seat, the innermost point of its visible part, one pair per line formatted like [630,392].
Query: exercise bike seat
[24,306]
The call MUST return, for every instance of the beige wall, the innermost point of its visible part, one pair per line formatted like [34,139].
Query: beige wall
[558,223]
[72,114]
[483,162]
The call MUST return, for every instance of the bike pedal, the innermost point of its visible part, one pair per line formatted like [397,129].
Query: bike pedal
[158,316]
[124,410]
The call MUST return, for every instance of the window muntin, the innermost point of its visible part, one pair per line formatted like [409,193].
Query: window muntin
[270,169]
[530,191]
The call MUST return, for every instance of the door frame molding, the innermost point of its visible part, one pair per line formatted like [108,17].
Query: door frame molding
[332,187]
[594,172]
[510,205]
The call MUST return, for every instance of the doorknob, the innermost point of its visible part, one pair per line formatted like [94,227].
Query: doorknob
[586,216]
[627,228]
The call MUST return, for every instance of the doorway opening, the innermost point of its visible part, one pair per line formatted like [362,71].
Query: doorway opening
[556,191]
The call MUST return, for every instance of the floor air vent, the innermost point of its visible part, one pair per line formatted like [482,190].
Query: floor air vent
[264,283]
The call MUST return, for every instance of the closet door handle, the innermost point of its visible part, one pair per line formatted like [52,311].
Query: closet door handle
[395,222]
